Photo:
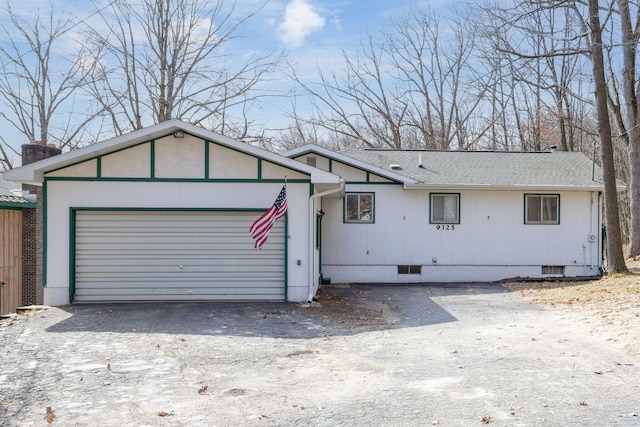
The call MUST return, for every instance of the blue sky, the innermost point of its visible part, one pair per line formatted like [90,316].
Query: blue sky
[312,33]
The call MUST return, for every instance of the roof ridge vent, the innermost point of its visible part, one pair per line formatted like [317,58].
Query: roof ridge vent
[394,167]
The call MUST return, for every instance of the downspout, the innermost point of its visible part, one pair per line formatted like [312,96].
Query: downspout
[312,219]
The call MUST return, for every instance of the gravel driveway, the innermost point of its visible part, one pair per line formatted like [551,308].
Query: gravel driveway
[417,355]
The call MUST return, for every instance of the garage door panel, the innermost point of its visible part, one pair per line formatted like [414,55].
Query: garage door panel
[131,256]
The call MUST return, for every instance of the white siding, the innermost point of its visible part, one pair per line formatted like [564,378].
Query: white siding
[490,243]
[62,195]
[153,256]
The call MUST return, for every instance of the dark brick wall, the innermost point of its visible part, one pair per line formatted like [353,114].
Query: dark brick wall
[32,236]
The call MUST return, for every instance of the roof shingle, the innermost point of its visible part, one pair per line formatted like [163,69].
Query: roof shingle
[487,168]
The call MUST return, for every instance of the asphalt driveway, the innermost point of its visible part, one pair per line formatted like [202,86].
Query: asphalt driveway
[418,355]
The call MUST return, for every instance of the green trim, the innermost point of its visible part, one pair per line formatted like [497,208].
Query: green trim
[372,183]
[286,256]
[540,222]
[367,175]
[72,254]
[152,159]
[331,165]
[373,207]
[72,164]
[218,180]
[98,158]
[206,159]
[126,209]
[44,231]
[259,169]
[431,221]
[16,206]
[72,236]
[99,167]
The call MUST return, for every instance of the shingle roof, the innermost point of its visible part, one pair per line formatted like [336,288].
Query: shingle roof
[487,168]
[10,192]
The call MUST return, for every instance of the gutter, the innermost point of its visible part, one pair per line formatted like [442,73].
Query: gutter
[312,219]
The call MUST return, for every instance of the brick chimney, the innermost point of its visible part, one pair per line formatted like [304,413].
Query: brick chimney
[32,237]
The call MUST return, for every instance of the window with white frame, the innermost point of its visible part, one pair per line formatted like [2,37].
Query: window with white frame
[542,208]
[358,208]
[445,208]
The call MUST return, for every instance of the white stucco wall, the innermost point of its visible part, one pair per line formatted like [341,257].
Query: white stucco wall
[490,243]
[63,195]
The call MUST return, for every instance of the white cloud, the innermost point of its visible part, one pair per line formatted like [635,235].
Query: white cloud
[300,20]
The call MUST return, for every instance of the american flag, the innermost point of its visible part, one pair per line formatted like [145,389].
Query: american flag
[260,228]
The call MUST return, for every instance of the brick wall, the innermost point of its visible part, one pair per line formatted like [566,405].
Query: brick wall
[32,236]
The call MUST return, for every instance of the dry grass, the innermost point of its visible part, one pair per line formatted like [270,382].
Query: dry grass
[609,307]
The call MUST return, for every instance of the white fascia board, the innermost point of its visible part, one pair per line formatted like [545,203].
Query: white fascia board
[334,155]
[488,187]
[34,173]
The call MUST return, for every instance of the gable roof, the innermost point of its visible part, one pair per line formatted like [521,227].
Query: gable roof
[489,169]
[503,170]
[352,161]
[34,172]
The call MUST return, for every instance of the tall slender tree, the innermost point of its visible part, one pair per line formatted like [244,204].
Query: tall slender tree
[615,256]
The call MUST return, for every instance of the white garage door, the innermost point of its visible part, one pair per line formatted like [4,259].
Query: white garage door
[159,256]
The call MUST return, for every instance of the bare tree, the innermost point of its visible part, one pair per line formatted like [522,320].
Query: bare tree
[163,59]
[615,257]
[414,89]
[358,102]
[44,70]
[436,75]
[630,127]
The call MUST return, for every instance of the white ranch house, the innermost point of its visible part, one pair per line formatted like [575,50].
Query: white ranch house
[163,213]
[453,216]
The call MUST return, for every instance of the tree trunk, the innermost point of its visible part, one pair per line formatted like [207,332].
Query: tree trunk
[629,50]
[615,257]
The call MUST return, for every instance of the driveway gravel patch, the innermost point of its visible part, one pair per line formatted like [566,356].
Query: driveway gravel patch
[366,355]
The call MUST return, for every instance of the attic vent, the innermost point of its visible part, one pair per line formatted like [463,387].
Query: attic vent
[394,167]
[311,161]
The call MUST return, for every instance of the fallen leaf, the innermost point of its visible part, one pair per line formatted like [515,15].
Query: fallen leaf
[109,366]
[50,415]
[165,414]
[570,301]
[203,389]
[486,420]
[584,404]
[262,416]
[265,316]
[303,408]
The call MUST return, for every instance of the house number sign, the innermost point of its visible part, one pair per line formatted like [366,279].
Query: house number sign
[445,227]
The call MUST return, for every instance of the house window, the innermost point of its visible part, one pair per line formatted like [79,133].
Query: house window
[445,209]
[542,208]
[358,207]
[409,269]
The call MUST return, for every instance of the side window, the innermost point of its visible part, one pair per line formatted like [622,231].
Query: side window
[358,208]
[445,208]
[542,208]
